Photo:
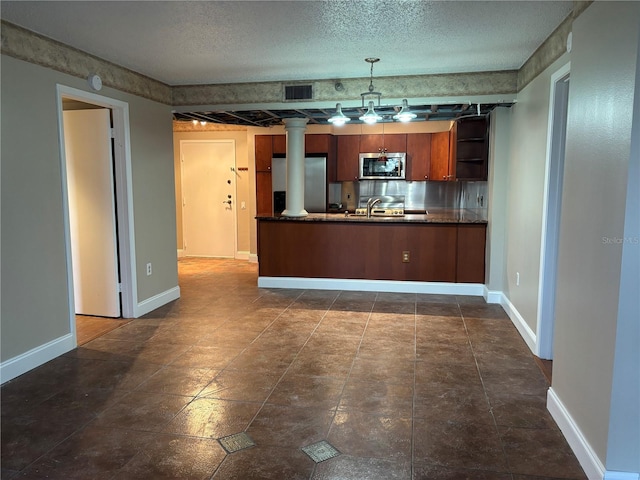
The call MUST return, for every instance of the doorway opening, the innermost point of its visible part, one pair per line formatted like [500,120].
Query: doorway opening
[96,171]
[558,107]
[208,171]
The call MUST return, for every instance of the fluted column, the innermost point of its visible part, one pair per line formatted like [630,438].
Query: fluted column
[295,128]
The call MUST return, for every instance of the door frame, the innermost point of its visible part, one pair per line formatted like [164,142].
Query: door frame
[235,188]
[123,192]
[551,210]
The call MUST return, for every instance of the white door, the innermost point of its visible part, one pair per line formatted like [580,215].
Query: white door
[92,220]
[208,198]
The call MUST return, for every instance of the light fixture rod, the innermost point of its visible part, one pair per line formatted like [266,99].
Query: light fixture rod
[371,92]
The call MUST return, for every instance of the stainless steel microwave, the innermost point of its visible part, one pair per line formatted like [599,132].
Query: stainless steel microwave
[382,166]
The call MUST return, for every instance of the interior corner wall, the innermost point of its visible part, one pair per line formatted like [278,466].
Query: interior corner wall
[525,194]
[499,151]
[623,449]
[597,160]
[245,193]
[35,298]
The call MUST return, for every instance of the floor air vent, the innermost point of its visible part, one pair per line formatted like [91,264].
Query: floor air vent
[298,92]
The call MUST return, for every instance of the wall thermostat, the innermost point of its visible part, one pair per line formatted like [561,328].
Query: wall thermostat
[95,82]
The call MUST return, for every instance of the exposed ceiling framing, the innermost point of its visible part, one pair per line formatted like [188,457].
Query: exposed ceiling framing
[320,116]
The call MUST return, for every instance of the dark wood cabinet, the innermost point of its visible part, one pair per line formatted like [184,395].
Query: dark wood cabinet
[323,144]
[438,252]
[264,199]
[470,253]
[264,152]
[279,144]
[348,149]
[317,144]
[418,156]
[441,168]
[472,148]
[373,143]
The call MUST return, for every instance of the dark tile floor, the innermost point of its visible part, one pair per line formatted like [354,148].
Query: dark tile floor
[404,386]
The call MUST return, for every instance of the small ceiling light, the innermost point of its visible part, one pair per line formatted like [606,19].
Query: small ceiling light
[371,116]
[405,114]
[203,123]
[339,118]
[195,122]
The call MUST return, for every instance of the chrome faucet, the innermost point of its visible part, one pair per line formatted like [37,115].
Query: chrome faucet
[370,203]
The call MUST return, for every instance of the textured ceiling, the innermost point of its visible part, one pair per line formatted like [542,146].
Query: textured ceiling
[201,42]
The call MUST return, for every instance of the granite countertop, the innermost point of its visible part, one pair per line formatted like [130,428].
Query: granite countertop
[440,215]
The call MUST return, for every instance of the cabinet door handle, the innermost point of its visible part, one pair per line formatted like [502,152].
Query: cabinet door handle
[426,177]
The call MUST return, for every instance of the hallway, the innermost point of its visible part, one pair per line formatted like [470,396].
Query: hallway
[400,386]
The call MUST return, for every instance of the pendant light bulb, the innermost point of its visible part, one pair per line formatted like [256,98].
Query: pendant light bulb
[371,116]
[405,114]
[339,118]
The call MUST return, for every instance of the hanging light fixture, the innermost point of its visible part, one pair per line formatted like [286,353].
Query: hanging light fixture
[405,114]
[339,118]
[370,92]
[371,116]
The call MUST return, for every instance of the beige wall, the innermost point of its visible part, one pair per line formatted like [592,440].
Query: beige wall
[599,134]
[35,296]
[499,154]
[525,179]
[596,360]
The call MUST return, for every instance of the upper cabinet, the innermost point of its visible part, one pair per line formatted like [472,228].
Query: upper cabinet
[472,148]
[442,167]
[373,143]
[348,147]
[418,156]
[316,144]
[279,144]
[323,144]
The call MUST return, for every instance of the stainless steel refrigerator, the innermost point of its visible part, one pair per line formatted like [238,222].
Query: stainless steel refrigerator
[315,184]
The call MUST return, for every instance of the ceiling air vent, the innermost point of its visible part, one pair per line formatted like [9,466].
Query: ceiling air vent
[298,92]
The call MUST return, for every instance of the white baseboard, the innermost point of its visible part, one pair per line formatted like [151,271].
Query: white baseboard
[591,464]
[35,357]
[588,459]
[242,255]
[156,301]
[393,286]
[253,257]
[491,296]
[527,334]
[181,253]
[610,475]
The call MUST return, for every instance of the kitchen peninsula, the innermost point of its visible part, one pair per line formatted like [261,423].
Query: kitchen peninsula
[446,245]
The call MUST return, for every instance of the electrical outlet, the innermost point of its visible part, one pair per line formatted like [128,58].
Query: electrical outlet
[149,269]
[243,205]
[517,279]
[405,256]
